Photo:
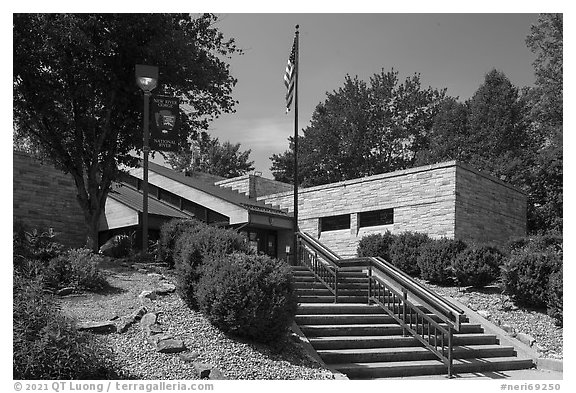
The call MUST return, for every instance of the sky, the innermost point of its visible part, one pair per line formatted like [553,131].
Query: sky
[453,51]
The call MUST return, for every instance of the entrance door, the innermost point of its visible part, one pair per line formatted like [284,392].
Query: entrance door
[263,241]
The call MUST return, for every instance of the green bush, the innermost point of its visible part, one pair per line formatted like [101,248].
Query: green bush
[248,296]
[436,258]
[526,275]
[119,246]
[477,266]
[196,244]
[376,245]
[77,268]
[46,345]
[170,232]
[34,244]
[539,243]
[556,297]
[405,249]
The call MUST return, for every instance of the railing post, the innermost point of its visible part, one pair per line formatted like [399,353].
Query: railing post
[450,359]
[336,286]
[369,282]
[404,298]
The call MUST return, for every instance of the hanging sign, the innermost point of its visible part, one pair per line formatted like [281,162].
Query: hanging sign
[164,123]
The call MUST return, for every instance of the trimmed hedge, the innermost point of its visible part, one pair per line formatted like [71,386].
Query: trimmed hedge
[436,259]
[170,232]
[526,276]
[477,266]
[376,245]
[248,296]
[194,245]
[556,297]
[46,344]
[405,249]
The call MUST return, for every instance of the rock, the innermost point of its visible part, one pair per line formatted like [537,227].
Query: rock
[472,307]
[189,356]
[155,338]
[207,371]
[97,327]
[484,314]
[154,329]
[165,289]
[65,291]
[170,346]
[526,339]
[148,320]
[508,329]
[147,295]
[155,275]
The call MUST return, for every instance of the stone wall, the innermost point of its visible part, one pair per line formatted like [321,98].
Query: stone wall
[487,209]
[423,200]
[254,186]
[44,197]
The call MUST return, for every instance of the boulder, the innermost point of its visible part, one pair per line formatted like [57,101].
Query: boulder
[207,371]
[148,320]
[147,295]
[189,357]
[526,339]
[97,327]
[170,345]
[155,338]
[484,314]
[165,289]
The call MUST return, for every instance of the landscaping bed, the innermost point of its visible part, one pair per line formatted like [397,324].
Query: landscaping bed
[134,357]
[500,310]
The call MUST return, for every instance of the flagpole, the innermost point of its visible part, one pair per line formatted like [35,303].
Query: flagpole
[297,71]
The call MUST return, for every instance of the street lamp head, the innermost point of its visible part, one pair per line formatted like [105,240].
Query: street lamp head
[146,77]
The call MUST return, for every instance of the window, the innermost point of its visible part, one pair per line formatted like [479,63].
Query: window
[334,223]
[376,217]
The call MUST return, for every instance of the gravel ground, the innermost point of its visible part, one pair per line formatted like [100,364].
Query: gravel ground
[134,357]
[502,311]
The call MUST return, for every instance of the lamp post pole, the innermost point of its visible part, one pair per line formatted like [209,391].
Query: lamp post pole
[145,150]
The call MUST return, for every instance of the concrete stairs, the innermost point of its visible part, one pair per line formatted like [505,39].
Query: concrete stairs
[363,342]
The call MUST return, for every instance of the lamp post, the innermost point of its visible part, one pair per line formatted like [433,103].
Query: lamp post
[147,80]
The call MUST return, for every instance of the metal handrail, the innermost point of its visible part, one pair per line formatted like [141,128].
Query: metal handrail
[395,302]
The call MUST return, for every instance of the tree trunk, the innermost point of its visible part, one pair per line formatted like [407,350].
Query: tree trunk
[92,226]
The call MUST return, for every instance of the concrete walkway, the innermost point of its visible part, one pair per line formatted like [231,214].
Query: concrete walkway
[520,375]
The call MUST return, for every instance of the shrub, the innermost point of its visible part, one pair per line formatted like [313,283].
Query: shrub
[77,268]
[436,258]
[477,266]
[376,245]
[538,243]
[193,247]
[46,345]
[170,232]
[249,296]
[526,275]
[35,244]
[556,297]
[405,249]
[119,246]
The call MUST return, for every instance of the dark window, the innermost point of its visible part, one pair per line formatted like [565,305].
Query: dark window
[376,217]
[334,223]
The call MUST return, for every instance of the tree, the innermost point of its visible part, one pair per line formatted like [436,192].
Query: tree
[75,97]
[546,42]
[210,156]
[363,129]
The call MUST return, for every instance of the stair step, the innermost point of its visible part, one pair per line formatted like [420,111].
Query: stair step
[339,308]
[355,355]
[358,342]
[429,367]
[343,319]
[341,285]
[330,299]
[370,329]
[326,292]
[310,278]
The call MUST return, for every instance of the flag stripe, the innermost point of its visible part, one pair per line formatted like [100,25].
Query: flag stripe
[289,76]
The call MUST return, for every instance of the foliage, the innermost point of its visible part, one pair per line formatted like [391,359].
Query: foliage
[477,266]
[170,232]
[362,129]
[46,345]
[526,274]
[119,246]
[405,250]
[76,268]
[35,244]
[208,155]
[552,242]
[248,296]
[76,102]
[556,297]
[194,246]
[376,245]
[436,258]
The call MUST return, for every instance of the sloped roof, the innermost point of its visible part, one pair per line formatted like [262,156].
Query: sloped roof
[132,198]
[226,194]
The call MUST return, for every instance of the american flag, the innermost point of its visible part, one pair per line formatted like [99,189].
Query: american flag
[290,76]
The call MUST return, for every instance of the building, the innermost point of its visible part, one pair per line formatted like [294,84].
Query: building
[443,200]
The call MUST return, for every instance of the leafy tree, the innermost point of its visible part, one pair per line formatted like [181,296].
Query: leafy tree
[546,41]
[75,98]
[210,156]
[363,129]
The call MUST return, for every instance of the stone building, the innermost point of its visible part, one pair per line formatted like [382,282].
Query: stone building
[447,199]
